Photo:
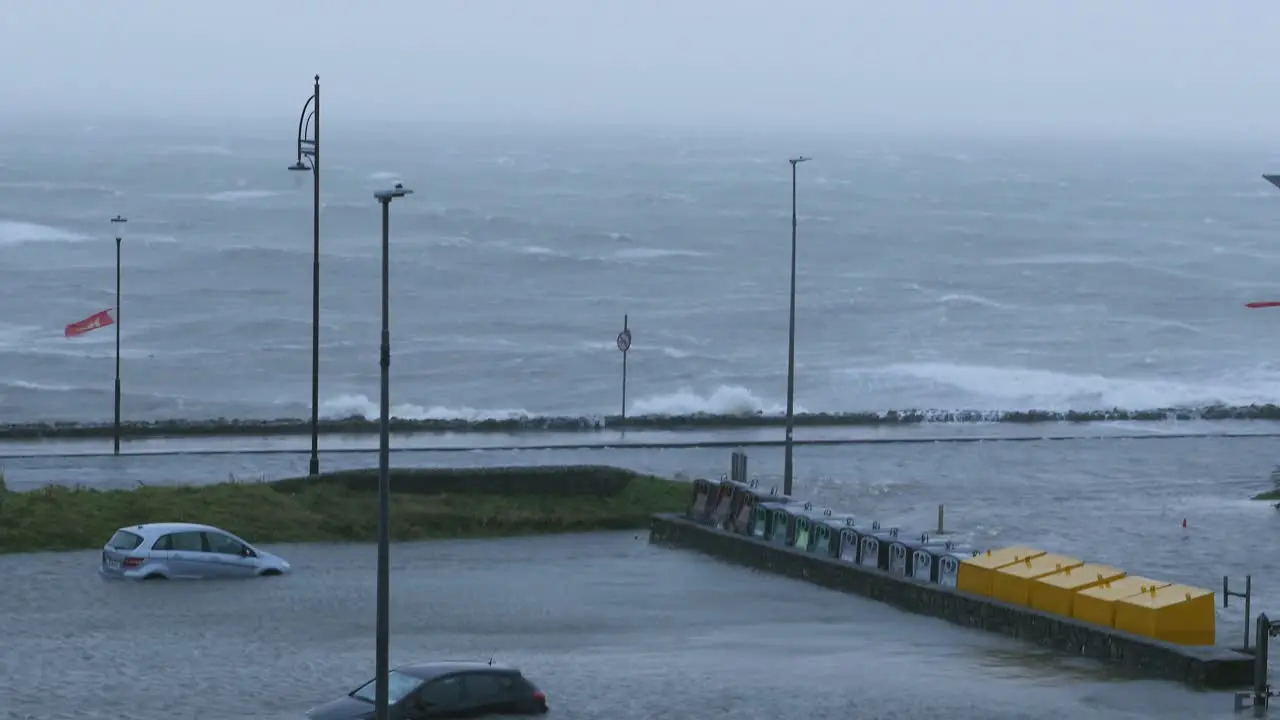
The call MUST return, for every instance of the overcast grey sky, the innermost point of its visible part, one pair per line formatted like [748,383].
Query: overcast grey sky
[1130,66]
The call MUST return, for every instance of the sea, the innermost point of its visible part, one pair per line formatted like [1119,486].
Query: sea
[931,273]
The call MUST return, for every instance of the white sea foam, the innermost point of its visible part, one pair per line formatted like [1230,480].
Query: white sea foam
[653,253]
[723,400]
[43,387]
[356,404]
[1015,388]
[13,233]
[240,195]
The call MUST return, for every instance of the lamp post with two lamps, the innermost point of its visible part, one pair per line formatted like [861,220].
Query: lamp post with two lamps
[309,150]
[382,661]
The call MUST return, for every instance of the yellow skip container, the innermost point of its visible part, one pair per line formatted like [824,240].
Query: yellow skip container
[1056,593]
[976,572]
[1012,583]
[1174,613]
[1097,604]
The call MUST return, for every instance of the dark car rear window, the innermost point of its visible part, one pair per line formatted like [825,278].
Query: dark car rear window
[125,540]
[524,683]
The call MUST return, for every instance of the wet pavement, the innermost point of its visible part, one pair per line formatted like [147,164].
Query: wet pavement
[606,624]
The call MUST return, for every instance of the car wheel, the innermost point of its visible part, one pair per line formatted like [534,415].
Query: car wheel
[270,573]
[155,576]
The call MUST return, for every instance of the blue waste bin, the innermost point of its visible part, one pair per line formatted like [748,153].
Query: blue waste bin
[941,563]
[827,533]
[849,543]
[874,547]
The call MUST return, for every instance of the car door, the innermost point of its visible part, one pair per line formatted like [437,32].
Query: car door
[228,557]
[187,556]
[438,699]
[488,693]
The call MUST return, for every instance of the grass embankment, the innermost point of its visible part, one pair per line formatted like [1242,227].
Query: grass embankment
[1273,495]
[342,507]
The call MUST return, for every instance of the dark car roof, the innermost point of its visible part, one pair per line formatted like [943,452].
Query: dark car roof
[432,670]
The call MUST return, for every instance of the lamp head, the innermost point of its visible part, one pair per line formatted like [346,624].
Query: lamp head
[388,195]
[799,159]
[299,166]
[119,219]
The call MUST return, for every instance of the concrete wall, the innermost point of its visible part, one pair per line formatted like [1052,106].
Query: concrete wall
[571,480]
[1210,667]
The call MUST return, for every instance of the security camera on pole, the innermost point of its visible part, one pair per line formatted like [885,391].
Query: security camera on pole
[624,345]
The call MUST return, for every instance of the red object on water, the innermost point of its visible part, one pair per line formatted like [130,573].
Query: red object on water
[100,319]
[1184,522]
[1263,304]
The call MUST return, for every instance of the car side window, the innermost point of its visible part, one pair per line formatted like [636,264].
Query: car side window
[164,543]
[487,687]
[442,692]
[222,544]
[186,542]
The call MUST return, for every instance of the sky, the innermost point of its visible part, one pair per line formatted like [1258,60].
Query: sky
[1128,67]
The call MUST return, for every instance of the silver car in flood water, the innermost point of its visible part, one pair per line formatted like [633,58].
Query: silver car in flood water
[164,551]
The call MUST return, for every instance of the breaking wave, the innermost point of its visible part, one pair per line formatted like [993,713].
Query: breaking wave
[462,420]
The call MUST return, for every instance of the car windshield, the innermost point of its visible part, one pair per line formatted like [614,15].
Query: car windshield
[398,685]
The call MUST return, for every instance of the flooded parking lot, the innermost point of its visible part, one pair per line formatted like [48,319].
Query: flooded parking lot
[606,624]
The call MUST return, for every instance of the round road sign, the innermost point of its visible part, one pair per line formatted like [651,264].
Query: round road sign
[624,340]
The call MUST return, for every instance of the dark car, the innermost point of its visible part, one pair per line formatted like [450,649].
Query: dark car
[442,690]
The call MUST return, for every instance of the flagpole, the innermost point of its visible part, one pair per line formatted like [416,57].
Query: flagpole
[116,222]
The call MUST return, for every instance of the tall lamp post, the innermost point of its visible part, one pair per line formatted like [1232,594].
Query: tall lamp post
[117,222]
[787,472]
[309,150]
[383,664]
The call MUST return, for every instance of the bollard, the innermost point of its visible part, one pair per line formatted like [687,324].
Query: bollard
[941,513]
[738,466]
[1228,593]
[1261,690]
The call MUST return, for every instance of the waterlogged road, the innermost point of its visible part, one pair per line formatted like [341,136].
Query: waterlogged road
[609,626]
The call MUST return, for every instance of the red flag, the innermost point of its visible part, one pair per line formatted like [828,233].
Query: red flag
[1262,304]
[102,318]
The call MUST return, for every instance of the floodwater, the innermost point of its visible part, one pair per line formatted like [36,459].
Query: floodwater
[608,625]
[1116,501]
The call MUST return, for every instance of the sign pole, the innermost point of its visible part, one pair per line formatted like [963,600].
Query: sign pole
[624,344]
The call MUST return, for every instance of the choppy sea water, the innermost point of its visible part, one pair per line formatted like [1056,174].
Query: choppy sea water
[944,273]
